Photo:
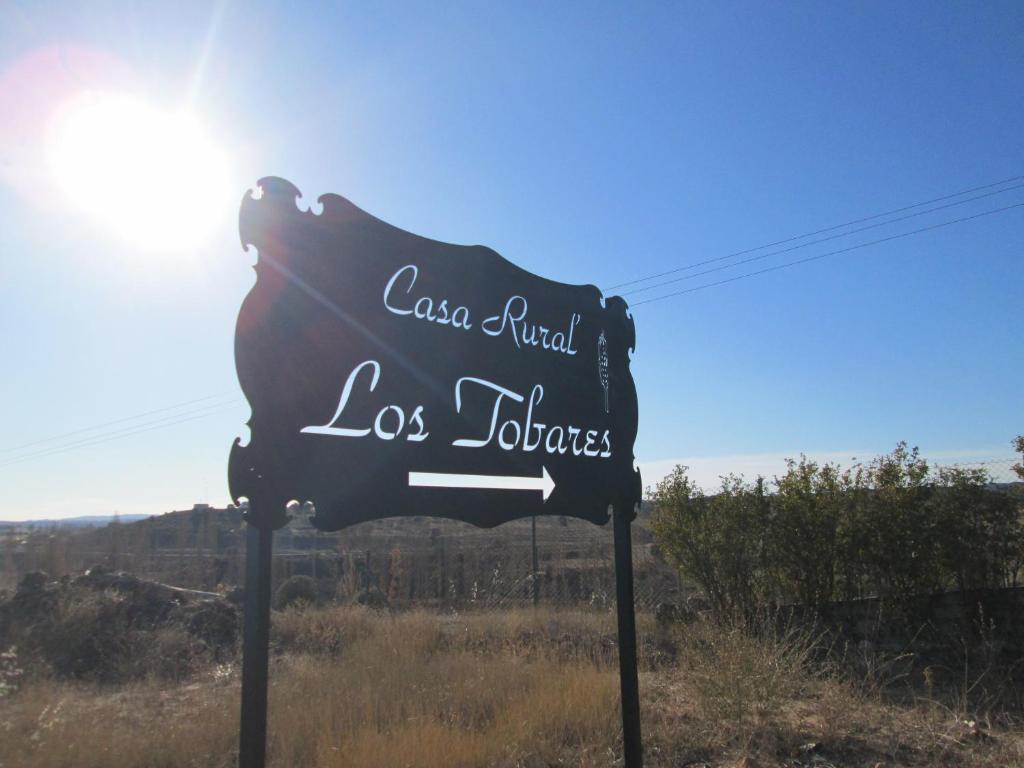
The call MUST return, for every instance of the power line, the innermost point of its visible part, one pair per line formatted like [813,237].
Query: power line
[829,253]
[111,423]
[819,231]
[123,432]
[205,411]
[812,242]
[166,421]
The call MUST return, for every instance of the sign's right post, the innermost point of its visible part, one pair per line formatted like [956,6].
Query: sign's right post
[632,747]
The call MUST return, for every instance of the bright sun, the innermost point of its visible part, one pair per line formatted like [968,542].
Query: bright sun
[153,177]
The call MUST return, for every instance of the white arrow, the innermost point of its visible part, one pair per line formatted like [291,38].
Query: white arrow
[544,483]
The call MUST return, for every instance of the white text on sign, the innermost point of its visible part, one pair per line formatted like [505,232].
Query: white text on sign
[523,432]
[512,320]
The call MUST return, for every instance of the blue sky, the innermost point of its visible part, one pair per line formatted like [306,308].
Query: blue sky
[588,142]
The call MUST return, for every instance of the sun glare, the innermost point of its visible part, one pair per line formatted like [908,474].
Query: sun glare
[152,177]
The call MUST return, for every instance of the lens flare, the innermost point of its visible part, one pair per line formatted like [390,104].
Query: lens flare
[153,177]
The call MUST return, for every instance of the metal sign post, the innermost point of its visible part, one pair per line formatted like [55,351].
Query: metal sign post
[391,375]
[629,684]
[255,647]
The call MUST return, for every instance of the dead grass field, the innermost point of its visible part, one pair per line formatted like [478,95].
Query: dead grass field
[516,689]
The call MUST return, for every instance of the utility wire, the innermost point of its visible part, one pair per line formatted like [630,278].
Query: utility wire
[813,242]
[111,423]
[205,411]
[118,433]
[818,232]
[166,421]
[829,253]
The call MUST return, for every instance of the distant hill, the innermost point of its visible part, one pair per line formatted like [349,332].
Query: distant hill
[84,521]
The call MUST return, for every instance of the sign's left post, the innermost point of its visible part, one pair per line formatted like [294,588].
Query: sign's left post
[259,543]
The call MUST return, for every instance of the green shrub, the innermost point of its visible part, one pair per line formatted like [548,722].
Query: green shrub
[892,528]
[718,540]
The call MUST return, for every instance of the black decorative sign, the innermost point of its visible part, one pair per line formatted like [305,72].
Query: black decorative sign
[390,374]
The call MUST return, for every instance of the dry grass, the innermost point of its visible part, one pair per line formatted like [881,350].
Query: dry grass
[351,687]
[769,700]
[421,690]
[64,725]
[519,689]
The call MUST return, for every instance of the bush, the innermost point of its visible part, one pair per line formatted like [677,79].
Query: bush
[372,597]
[112,627]
[891,528]
[739,675]
[295,591]
[803,531]
[981,530]
[715,540]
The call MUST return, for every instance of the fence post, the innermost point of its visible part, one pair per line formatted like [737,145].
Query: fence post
[535,580]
